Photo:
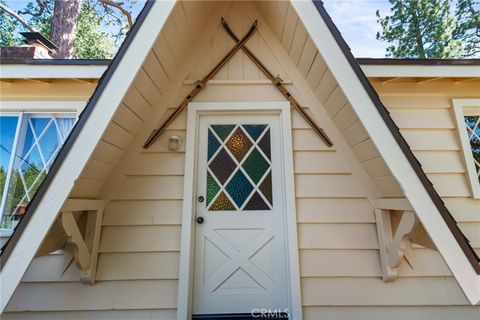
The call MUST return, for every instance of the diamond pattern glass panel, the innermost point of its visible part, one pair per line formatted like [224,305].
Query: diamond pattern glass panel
[213,144]
[266,187]
[222,166]
[39,124]
[256,165]
[239,144]
[473,131]
[40,137]
[254,130]
[223,130]
[256,203]
[238,185]
[264,144]
[212,188]
[239,188]
[222,203]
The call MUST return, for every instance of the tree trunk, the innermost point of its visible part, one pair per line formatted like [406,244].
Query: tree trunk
[64,25]
[418,34]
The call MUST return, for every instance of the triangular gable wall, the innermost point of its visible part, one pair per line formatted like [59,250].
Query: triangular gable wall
[150,73]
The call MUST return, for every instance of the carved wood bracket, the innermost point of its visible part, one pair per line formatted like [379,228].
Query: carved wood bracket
[84,238]
[394,245]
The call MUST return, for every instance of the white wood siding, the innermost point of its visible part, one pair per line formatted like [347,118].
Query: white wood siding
[338,252]
[340,268]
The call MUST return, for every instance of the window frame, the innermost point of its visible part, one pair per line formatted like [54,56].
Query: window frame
[462,108]
[20,108]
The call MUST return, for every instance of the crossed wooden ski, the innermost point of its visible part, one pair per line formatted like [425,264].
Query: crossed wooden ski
[200,84]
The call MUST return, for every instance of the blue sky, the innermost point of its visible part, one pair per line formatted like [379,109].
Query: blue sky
[355,18]
[357,22]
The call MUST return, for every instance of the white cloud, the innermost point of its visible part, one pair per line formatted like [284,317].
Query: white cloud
[357,22]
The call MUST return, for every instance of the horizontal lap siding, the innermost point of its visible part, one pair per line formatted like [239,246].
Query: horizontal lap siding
[148,314]
[390,313]
[104,295]
[339,260]
[426,120]
[137,271]
[338,249]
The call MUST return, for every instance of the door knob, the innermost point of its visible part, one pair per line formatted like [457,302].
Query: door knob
[200,220]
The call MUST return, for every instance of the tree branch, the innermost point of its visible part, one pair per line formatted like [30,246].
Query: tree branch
[41,4]
[119,6]
[14,15]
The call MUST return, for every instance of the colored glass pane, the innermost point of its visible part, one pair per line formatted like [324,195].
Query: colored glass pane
[264,144]
[254,130]
[239,188]
[255,165]
[213,144]
[212,188]
[223,130]
[222,166]
[222,203]
[239,144]
[256,203]
[266,187]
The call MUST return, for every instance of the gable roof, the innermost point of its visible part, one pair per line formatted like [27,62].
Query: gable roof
[19,250]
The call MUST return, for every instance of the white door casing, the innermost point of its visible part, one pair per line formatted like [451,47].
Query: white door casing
[244,257]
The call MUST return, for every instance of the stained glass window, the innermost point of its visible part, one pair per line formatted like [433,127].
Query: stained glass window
[239,169]
[473,131]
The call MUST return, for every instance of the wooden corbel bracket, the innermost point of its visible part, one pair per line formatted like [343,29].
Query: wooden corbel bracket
[84,244]
[81,253]
[394,246]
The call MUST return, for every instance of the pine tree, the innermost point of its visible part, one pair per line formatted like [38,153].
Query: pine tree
[420,29]
[468,27]
[83,29]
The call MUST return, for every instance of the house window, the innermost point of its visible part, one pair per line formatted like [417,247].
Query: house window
[467,113]
[473,132]
[29,143]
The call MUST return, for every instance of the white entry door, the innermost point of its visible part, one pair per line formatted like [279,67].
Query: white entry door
[240,243]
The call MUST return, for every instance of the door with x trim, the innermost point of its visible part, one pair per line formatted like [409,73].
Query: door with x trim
[240,249]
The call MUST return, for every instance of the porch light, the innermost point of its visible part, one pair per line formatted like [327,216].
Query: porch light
[174,142]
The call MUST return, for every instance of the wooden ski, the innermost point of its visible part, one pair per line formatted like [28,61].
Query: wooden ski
[200,84]
[278,83]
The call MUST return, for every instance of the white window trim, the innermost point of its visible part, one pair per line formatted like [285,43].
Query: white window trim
[462,108]
[21,107]
[185,287]
[42,106]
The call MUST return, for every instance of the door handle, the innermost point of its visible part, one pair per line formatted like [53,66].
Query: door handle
[200,220]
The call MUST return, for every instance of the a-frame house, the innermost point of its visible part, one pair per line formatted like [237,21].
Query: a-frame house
[240,207]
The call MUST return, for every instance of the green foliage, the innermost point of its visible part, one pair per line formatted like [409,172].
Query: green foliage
[33,178]
[90,41]
[420,29]
[7,30]
[100,28]
[3,177]
[468,26]
[41,19]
